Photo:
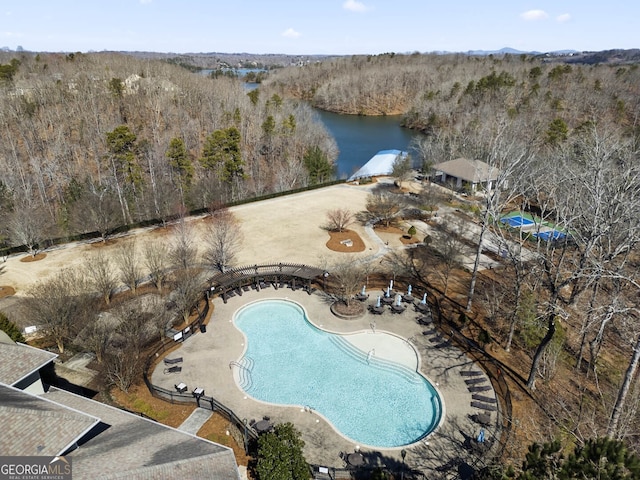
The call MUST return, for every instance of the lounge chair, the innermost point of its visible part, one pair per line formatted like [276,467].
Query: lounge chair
[172,361]
[174,369]
[482,398]
[470,373]
[474,381]
[479,388]
[484,406]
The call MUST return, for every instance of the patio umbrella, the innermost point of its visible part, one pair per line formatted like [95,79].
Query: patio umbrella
[378,303]
[398,299]
[363,289]
[424,298]
[409,290]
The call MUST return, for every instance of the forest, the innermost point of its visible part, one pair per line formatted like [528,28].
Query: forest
[92,142]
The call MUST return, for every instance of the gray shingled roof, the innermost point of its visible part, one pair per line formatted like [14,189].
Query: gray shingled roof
[33,425]
[469,170]
[18,361]
[136,448]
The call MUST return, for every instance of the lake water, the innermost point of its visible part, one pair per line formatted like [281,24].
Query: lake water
[359,138]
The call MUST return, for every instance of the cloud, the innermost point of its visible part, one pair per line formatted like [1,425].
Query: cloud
[565,17]
[291,33]
[534,15]
[355,6]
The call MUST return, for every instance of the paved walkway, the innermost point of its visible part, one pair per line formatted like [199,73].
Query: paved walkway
[207,364]
[196,420]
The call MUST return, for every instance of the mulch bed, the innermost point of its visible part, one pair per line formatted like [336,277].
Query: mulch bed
[6,291]
[33,258]
[337,237]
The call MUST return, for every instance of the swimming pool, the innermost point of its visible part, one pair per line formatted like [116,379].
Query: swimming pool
[288,361]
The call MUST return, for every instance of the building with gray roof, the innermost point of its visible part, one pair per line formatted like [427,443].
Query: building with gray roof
[102,441]
[463,172]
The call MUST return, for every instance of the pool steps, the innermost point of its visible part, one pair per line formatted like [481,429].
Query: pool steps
[245,366]
[375,361]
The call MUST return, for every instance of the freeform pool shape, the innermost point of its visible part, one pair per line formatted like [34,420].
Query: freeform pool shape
[288,361]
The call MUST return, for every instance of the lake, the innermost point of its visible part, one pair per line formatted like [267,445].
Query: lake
[359,138]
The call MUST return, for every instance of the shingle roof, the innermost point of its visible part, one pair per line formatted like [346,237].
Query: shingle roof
[136,448]
[33,425]
[18,361]
[469,170]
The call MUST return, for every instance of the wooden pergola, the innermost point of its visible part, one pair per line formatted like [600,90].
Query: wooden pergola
[241,279]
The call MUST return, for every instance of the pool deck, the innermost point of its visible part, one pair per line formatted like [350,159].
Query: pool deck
[207,364]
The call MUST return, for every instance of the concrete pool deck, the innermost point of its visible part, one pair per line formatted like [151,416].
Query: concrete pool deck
[208,357]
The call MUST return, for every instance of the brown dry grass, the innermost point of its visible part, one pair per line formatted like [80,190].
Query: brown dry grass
[138,399]
[215,430]
[336,237]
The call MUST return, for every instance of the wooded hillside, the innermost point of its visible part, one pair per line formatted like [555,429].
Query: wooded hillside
[91,142]
[565,141]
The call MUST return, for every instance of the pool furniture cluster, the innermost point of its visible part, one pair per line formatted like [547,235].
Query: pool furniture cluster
[476,383]
[171,365]
[396,301]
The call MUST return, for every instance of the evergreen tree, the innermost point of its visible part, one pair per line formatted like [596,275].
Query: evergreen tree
[601,458]
[222,154]
[122,146]
[11,329]
[280,455]
[318,166]
[180,162]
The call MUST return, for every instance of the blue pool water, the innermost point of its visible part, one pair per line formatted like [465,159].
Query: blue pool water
[371,401]
[516,221]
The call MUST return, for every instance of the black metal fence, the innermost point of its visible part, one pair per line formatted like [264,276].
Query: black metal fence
[200,400]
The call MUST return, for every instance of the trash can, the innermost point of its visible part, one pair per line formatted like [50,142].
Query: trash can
[203,328]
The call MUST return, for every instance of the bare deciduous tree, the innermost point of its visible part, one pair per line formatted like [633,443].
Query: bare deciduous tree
[59,304]
[384,206]
[27,226]
[187,289]
[348,278]
[339,219]
[450,249]
[155,254]
[101,275]
[126,258]
[223,239]
[183,250]
[97,210]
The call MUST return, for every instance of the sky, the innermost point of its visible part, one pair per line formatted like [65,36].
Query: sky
[318,27]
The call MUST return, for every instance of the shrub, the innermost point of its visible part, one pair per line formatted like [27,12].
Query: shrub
[11,329]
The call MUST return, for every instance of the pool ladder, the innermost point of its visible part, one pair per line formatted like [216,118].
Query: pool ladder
[245,367]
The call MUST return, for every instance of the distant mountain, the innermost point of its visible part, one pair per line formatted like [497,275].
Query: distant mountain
[513,51]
